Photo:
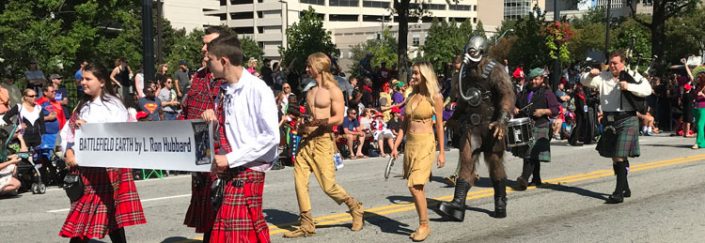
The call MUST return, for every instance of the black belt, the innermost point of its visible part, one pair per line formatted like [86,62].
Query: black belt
[620,115]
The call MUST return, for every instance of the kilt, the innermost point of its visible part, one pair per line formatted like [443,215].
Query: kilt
[109,202]
[624,142]
[200,213]
[538,149]
[239,218]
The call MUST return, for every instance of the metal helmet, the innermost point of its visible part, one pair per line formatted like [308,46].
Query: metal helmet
[476,47]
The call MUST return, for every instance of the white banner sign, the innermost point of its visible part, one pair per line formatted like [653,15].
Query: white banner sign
[166,145]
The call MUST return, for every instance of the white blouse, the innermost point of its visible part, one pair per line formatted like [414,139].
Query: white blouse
[96,111]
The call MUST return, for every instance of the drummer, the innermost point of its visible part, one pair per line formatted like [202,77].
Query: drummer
[537,103]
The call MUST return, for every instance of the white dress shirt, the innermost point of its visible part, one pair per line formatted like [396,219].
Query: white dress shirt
[251,123]
[611,98]
[96,111]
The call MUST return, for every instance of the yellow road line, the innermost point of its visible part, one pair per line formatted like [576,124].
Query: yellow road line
[484,193]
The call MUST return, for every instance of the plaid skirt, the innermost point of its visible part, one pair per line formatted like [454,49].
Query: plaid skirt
[539,148]
[200,213]
[239,218]
[109,202]
[620,139]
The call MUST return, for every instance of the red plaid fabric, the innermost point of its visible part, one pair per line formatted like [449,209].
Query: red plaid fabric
[202,94]
[201,97]
[240,218]
[109,202]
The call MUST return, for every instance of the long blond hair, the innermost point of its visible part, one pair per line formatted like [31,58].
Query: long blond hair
[321,65]
[428,83]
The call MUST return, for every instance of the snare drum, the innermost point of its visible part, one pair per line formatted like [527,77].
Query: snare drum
[519,132]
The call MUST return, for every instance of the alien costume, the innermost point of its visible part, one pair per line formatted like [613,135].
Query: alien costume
[485,98]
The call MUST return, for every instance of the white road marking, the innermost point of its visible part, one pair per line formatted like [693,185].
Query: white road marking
[143,200]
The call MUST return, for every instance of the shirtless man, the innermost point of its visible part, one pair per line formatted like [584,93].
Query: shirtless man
[325,110]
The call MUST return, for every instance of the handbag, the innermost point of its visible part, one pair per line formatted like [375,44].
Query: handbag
[73,186]
[217,190]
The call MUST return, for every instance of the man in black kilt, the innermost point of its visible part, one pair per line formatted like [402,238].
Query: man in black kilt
[481,116]
[620,102]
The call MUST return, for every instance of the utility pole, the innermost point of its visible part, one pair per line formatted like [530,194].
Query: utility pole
[147,40]
[556,77]
[159,32]
[607,29]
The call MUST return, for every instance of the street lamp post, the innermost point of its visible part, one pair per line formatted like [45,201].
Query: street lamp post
[147,40]
[285,25]
[502,35]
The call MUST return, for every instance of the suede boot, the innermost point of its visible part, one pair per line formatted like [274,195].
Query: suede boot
[356,212]
[455,209]
[523,180]
[306,229]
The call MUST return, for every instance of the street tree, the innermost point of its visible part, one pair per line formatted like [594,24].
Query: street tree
[444,41]
[405,9]
[383,49]
[663,10]
[304,38]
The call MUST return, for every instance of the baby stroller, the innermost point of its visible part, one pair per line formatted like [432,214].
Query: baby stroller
[52,166]
[27,171]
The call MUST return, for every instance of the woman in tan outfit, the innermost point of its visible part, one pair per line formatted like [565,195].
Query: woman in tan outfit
[420,150]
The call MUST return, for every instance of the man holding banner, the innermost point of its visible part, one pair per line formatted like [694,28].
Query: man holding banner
[249,136]
[201,97]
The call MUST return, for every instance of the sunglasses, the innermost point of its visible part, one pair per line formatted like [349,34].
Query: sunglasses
[30,96]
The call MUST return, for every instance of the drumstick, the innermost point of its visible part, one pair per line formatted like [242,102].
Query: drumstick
[527,106]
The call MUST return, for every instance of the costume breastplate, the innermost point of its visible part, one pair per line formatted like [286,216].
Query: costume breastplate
[479,109]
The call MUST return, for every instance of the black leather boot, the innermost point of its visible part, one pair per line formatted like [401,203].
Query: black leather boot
[455,209]
[618,194]
[500,198]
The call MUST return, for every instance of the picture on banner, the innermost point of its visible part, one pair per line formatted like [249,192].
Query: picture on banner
[202,134]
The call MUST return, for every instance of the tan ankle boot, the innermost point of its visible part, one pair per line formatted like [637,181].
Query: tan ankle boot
[306,229]
[422,232]
[357,212]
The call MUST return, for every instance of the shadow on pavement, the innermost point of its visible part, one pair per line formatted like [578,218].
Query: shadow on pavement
[387,225]
[576,190]
[282,219]
[400,199]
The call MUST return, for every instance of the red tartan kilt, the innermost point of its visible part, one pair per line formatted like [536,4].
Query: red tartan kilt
[200,213]
[240,218]
[103,209]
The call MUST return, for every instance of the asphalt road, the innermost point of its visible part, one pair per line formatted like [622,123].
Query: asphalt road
[667,182]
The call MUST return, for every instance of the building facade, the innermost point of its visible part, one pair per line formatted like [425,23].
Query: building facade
[266,20]
[190,14]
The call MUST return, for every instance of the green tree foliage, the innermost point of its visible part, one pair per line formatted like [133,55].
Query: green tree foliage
[663,10]
[250,48]
[479,30]
[186,47]
[445,41]
[304,38]
[383,50]
[685,35]
[530,48]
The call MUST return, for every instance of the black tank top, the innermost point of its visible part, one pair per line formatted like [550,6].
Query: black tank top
[123,77]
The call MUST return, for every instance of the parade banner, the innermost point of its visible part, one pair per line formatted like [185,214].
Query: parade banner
[184,145]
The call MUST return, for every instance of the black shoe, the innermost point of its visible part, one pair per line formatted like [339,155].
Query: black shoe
[500,207]
[521,184]
[627,193]
[536,182]
[455,209]
[615,198]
